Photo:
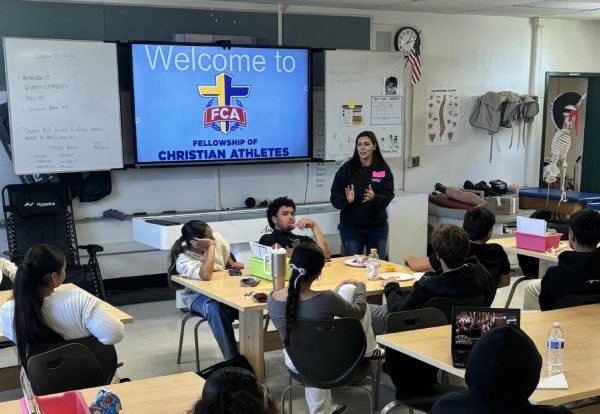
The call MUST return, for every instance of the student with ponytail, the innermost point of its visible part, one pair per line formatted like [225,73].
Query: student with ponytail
[195,255]
[299,301]
[39,314]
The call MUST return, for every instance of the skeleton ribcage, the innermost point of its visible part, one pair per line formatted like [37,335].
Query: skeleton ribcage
[561,143]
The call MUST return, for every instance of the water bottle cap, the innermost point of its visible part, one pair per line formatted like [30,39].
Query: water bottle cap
[373,250]
[556,324]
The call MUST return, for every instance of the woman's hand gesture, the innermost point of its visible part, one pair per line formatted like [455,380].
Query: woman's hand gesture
[350,193]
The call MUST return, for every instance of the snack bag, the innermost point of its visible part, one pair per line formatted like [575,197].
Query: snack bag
[106,403]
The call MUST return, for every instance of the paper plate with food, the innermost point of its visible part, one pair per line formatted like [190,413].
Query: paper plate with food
[399,276]
[357,261]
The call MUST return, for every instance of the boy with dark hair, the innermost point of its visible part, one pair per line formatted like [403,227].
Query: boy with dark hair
[461,277]
[478,223]
[281,215]
[578,271]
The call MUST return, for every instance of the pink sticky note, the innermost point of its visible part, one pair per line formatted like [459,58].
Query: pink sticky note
[379,174]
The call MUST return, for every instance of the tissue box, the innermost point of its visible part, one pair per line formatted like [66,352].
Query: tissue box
[256,269]
[71,402]
[537,242]
[502,205]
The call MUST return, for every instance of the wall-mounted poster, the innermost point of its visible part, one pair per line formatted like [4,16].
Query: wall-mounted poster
[442,117]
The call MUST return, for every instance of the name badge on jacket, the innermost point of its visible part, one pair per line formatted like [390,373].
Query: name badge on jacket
[377,176]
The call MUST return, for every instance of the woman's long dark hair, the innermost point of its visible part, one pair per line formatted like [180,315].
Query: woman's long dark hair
[190,230]
[307,256]
[356,167]
[30,328]
[234,390]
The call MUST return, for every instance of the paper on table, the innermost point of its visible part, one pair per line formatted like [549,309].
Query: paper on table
[531,226]
[553,382]
[259,250]
[418,275]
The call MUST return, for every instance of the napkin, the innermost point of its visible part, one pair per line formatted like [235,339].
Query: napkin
[553,382]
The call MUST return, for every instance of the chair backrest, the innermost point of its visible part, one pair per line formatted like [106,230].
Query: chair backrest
[43,213]
[70,365]
[39,213]
[445,304]
[570,301]
[408,374]
[326,353]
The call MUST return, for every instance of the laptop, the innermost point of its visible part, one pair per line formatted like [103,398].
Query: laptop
[471,323]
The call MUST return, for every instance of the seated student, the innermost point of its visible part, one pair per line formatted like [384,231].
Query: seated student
[281,215]
[578,271]
[299,301]
[39,314]
[503,370]
[460,277]
[7,268]
[478,223]
[233,390]
[195,255]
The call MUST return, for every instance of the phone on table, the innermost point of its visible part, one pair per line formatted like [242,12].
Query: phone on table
[235,272]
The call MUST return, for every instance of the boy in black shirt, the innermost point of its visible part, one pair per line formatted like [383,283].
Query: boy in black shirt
[460,278]
[281,215]
[578,271]
[478,223]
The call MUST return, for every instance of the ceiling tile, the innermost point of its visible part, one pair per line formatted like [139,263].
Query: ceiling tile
[578,5]
[519,11]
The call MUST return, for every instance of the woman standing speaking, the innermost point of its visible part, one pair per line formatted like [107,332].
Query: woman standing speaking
[362,189]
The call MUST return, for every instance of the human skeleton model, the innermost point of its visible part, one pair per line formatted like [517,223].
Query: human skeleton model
[561,143]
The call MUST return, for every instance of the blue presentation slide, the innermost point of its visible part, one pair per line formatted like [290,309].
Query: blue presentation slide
[205,103]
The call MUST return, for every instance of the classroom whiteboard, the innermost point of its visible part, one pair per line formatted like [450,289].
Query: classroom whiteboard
[356,99]
[64,112]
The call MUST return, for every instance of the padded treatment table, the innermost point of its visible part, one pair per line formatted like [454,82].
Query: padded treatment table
[594,206]
[535,198]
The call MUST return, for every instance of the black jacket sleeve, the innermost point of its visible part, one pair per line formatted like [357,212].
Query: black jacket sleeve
[386,195]
[338,188]
[551,289]
[415,299]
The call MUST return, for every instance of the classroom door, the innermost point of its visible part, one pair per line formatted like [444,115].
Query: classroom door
[590,162]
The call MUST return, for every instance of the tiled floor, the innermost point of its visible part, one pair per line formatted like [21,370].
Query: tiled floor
[150,349]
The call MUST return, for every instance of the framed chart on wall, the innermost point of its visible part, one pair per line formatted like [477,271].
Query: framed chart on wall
[64,110]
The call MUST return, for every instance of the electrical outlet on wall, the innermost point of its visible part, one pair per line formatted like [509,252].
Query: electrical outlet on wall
[415,161]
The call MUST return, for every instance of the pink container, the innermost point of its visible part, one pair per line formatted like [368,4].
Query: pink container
[537,242]
[70,402]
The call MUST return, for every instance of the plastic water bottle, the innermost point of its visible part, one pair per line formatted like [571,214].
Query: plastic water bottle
[373,265]
[556,347]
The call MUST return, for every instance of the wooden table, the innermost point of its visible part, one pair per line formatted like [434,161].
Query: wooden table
[581,358]
[174,394]
[533,198]
[122,316]
[547,259]
[226,289]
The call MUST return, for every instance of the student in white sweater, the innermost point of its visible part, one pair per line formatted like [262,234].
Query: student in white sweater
[195,255]
[8,269]
[39,314]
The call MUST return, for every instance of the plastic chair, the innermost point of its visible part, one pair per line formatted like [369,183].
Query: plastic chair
[570,301]
[327,355]
[415,381]
[70,365]
[43,213]
[445,304]
[187,317]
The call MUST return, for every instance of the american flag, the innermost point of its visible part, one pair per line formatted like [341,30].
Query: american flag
[414,57]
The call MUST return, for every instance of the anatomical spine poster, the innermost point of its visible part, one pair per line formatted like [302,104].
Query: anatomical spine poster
[442,117]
